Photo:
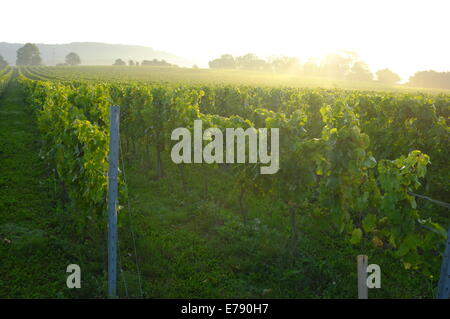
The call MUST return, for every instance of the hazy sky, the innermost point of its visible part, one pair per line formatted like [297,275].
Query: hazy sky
[403,35]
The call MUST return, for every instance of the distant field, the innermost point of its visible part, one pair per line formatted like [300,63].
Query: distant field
[151,74]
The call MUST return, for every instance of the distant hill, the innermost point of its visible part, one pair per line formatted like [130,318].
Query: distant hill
[92,53]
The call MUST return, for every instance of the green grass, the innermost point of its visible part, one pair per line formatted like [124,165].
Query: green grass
[35,244]
[191,246]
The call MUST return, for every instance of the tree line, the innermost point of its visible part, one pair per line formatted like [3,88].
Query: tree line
[343,65]
[340,65]
[154,62]
[431,79]
[29,55]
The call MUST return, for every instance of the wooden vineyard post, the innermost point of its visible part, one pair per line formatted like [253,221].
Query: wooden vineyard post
[362,262]
[112,200]
[444,279]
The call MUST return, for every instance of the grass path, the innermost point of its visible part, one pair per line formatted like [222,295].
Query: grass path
[33,254]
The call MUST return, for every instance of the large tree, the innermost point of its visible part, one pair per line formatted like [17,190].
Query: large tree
[311,67]
[28,55]
[250,62]
[119,62]
[430,79]
[337,65]
[360,72]
[284,64]
[226,61]
[387,76]
[73,59]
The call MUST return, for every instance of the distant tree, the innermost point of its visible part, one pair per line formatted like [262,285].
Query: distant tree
[387,76]
[73,59]
[360,72]
[156,62]
[284,64]
[337,65]
[131,63]
[311,67]
[430,79]
[250,62]
[3,62]
[195,66]
[119,62]
[28,55]
[226,61]
[136,63]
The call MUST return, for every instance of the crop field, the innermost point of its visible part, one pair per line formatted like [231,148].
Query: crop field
[353,157]
[149,74]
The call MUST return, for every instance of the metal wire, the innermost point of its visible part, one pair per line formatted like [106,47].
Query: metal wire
[130,219]
[121,271]
[438,202]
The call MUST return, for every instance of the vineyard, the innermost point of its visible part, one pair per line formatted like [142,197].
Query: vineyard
[351,163]
[5,75]
[143,75]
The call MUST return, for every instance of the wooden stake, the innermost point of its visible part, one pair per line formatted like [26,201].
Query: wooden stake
[362,262]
